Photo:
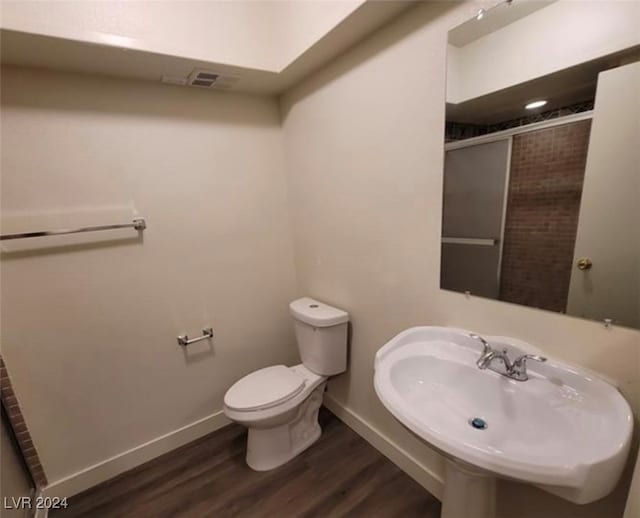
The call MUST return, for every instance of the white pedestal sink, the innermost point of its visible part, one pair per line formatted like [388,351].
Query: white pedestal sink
[564,429]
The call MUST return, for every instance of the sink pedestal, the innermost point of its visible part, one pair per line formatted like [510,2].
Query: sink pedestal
[468,492]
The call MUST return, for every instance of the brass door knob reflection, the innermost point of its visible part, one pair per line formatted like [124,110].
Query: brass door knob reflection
[584,263]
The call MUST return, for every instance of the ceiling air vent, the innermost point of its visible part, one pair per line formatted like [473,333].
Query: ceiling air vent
[202,78]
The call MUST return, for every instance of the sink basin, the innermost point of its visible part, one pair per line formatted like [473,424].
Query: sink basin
[565,429]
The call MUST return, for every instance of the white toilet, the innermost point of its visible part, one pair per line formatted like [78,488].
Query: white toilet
[278,404]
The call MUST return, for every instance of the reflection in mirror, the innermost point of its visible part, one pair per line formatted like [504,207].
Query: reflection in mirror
[542,158]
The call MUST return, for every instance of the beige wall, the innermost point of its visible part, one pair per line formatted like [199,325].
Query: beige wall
[89,323]
[364,156]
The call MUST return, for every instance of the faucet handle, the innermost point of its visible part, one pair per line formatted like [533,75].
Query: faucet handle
[519,366]
[520,360]
[486,348]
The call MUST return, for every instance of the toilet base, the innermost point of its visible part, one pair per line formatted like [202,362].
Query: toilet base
[268,448]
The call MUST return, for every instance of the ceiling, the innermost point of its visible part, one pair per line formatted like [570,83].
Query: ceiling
[49,52]
[563,88]
[499,16]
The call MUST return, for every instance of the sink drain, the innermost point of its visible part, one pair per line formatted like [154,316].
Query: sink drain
[478,423]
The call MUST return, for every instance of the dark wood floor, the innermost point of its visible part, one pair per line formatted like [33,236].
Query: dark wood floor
[340,475]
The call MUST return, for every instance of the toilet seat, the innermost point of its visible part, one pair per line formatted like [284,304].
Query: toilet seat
[264,388]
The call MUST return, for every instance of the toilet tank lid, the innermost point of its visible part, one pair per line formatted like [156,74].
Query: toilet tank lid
[316,313]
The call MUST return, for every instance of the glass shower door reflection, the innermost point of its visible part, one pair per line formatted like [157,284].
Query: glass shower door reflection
[475,179]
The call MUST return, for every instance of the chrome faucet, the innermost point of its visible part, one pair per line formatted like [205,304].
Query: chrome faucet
[519,366]
[516,370]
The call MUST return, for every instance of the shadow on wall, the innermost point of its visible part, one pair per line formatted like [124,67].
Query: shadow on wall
[198,352]
[117,96]
[532,502]
[45,249]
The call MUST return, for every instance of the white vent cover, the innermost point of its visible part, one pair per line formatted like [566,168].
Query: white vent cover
[201,78]
[174,80]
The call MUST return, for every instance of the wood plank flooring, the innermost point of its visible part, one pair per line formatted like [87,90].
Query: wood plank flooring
[340,475]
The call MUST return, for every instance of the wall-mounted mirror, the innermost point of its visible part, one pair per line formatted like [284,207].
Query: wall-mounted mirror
[542,158]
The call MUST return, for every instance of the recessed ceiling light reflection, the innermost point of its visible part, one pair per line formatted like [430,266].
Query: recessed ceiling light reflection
[535,104]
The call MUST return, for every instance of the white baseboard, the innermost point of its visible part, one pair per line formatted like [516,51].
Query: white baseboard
[134,457]
[423,475]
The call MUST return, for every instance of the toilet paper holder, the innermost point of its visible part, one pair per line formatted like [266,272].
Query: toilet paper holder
[184,340]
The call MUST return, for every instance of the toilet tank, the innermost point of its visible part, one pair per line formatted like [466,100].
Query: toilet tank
[321,333]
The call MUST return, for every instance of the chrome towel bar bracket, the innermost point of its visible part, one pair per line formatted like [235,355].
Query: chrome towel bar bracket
[137,224]
[183,340]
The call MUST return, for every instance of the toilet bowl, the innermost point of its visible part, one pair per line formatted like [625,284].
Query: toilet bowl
[279,404]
